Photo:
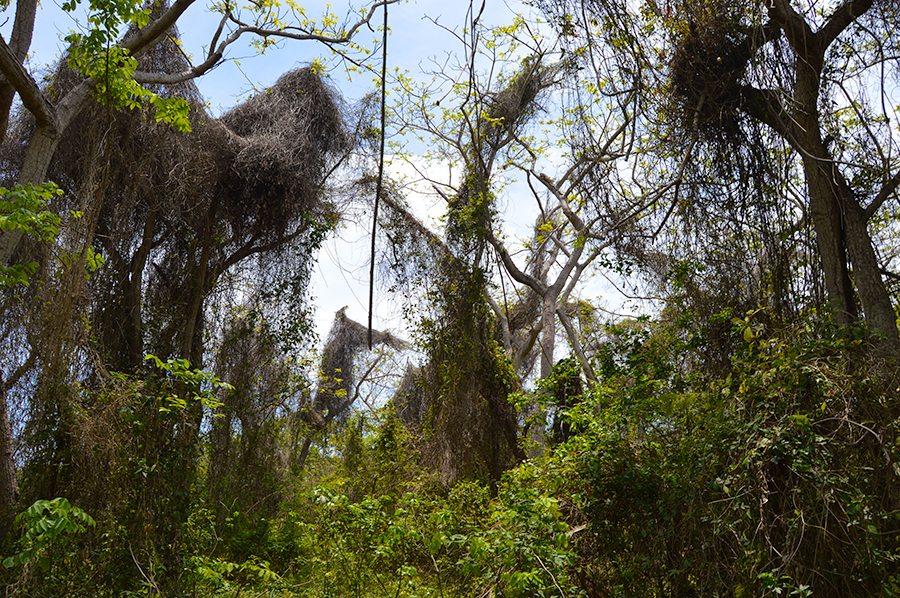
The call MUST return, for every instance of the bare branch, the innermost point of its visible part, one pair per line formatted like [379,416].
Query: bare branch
[798,32]
[29,92]
[143,39]
[679,178]
[212,61]
[216,53]
[576,343]
[841,18]
[23,28]
[522,277]
[886,191]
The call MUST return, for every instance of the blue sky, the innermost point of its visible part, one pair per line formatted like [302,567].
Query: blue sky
[416,44]
[413,40]
[342,274]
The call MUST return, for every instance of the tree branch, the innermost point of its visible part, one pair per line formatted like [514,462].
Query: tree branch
[31,95]
[213,59]
[302,34]
[140,40]
[576,343]
[798,32]
[886,191]
[841,18]
[522,277]
[216,53]
[764,106]
[23,28]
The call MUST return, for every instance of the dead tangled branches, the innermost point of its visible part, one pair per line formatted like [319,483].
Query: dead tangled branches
[264,161]
[184,208]
[507,108]
[174,215]
[286,136]
[336,382]
[706,73]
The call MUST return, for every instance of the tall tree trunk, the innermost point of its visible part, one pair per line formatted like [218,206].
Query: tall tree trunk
[134,326]
[842,234]
[199,287]
[825,213]
[44,144]
[538,432]
[548,331]
[9,486]
[876,303]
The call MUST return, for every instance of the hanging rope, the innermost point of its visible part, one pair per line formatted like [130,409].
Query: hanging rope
[378,186]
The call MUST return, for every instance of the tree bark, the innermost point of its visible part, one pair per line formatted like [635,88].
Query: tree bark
[876,303]
[134,326]
[9,485]
[842,238]
[548,332]
[825,213]
[19,43]
[37,161]
[199,286]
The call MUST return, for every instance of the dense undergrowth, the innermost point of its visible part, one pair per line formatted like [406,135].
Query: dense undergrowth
[776,476]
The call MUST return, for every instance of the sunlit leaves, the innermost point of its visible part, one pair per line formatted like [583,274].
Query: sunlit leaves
[95,54]
[24,209]
[202,384]
[46,523]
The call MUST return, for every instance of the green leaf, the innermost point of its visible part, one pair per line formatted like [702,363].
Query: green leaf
[748,335]
[438,541]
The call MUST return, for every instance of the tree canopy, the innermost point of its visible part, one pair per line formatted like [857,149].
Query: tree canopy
[170,424]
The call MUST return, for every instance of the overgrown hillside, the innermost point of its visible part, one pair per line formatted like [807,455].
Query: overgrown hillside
[679,379]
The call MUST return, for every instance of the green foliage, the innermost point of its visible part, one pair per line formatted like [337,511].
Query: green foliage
[684,485]
[463,544]
[46,524]
[224,576]
[95,54]
[524,552]
[203,384]
[669,484]
[24,209]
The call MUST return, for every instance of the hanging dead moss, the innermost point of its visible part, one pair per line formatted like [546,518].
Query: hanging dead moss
[248,472]
[174,215]
[264,160]
[456,403]
[509,107]
[503,113]
[177,210]
[337,382]
[286,135]
[706,73]
[459,400]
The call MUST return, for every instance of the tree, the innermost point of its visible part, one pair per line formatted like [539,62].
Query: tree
[745,77]
[515,107]
[120,74]
[490,128]
[339,385]
[839,212]
[111,72]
